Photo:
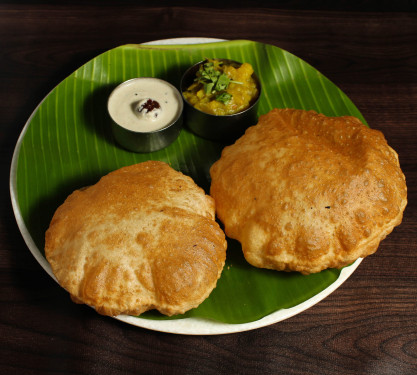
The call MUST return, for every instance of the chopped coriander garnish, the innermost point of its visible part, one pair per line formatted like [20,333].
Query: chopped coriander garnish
[224,97]
[214,82]
[208,87]
[222,82]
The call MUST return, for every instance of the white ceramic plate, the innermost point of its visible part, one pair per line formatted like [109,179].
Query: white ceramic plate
[189,326]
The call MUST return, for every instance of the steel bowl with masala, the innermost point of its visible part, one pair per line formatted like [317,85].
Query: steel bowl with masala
[221,97]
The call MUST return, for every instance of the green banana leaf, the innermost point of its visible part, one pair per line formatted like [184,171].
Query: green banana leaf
[68,144]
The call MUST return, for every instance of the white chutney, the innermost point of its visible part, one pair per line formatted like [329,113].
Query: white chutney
[144,104]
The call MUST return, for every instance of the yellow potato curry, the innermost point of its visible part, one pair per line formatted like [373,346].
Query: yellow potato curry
[221,88]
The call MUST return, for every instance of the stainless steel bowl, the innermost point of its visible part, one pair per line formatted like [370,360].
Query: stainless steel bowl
[218,128]
[146,141]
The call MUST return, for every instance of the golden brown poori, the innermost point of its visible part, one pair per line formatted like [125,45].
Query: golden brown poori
[143,237]
[304,192]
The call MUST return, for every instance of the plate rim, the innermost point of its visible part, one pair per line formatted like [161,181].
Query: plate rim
[185,326]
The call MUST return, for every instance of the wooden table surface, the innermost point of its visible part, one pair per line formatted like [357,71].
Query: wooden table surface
[367,326]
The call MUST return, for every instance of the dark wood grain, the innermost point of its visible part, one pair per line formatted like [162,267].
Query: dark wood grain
[368,326]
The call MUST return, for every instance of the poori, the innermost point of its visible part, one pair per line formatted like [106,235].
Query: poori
[143,237]
[305,192]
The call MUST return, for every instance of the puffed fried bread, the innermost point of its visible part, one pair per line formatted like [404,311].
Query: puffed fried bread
[143,237]
[305,192]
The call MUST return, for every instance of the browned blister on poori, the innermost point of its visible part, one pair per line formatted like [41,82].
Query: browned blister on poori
[144,237]
[304,192]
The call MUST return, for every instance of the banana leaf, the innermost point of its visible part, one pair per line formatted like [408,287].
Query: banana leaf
[67,144]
